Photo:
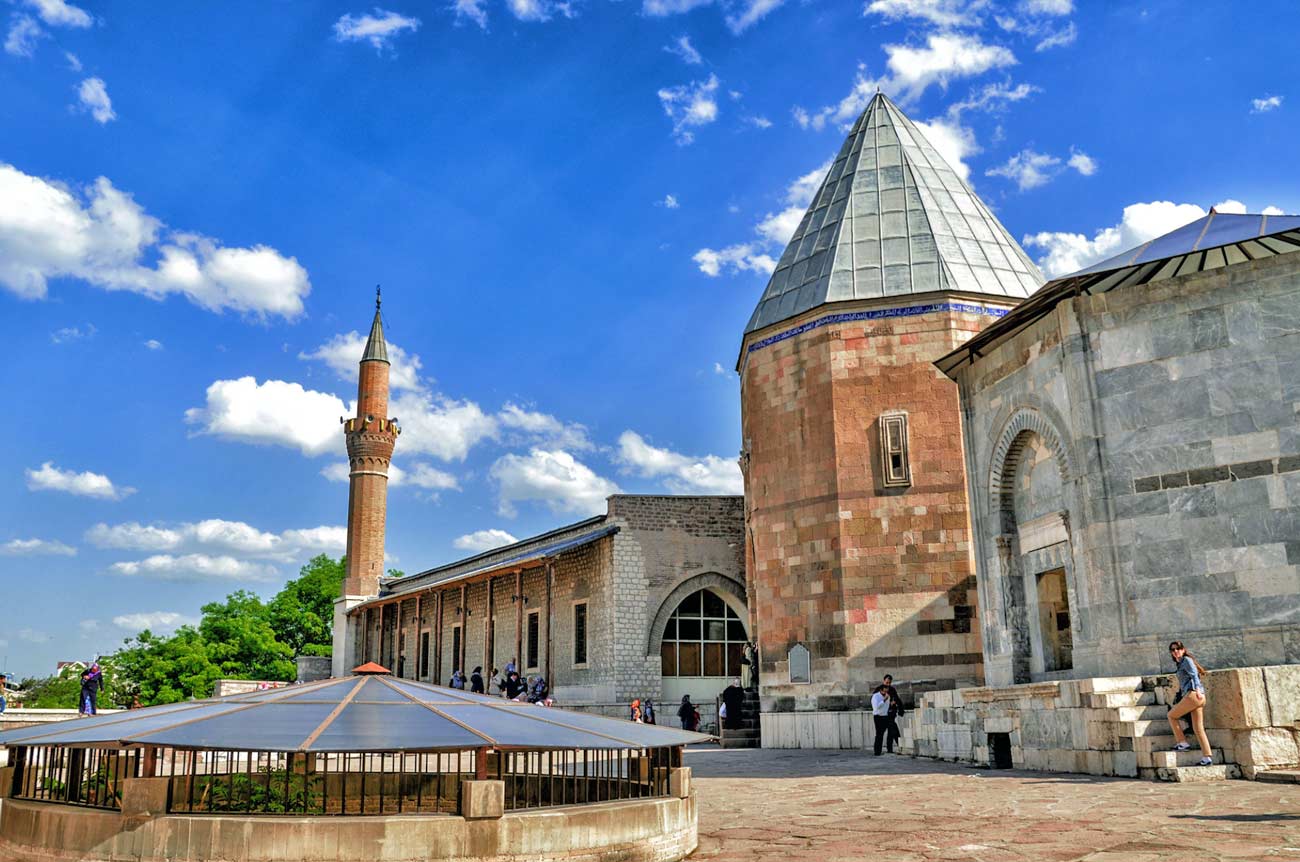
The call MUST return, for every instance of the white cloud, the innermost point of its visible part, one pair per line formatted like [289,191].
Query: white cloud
[1268,103]
[74,63]
[1065,36]
[194,567]
[157,622]
[439,426]
[539,10]
[1272,210]
[955,142]
[88,626]
[1082,162]
[93,94]
[545,429]
[941,13]
[662,8]
[743,257]
[46,231]
[945,57]
[720,371]
[690,106]
[552,477]
[274,412]
[378,28]
[1048,7]
[669,202]
[153,344]
[682,474]
[758,121]
[22,36]
[483,540]
[471,9]
[36,547]
[221,536]
[1028,168]
[682,47]
[343,352]
[420,476]
[1069,252]
[751,12]
[87,484]
[58,13]
[72,333]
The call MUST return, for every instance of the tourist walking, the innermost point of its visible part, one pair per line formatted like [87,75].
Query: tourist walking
[634,711]
[1191,702]
[476,681]
[686,713]
[895,710]
[648,711]
[880,715]
[733,698]
[92,678]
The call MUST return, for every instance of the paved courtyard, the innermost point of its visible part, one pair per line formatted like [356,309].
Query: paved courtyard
[831,805]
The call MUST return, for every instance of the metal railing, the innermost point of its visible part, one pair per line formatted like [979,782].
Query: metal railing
[89,777]
[336,783]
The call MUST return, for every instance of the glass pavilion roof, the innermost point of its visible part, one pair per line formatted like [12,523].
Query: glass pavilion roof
[892,218]
[353,714]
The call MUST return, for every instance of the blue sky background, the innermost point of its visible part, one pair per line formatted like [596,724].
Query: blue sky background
[572,212]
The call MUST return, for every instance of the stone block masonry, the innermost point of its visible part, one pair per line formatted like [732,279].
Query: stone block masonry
[871,579]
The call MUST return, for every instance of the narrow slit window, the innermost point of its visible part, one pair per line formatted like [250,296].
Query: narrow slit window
[896,469]
[580,633]
[534,638]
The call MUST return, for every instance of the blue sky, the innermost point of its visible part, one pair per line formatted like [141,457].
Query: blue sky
[572,208]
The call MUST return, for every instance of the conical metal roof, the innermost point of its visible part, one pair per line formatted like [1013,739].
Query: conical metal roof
[892,218]
[376,347]
[352,714]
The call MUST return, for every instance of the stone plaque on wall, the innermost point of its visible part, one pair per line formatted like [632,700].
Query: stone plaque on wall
[800,664]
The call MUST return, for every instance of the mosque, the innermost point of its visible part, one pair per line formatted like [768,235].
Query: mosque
[954,474]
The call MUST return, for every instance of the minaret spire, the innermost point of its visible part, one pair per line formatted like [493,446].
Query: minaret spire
[370,436]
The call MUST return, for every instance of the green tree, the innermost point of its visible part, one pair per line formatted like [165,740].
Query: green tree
[302,614]
[241,640]
[163,669]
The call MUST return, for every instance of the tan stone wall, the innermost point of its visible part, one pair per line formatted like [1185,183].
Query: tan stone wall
[659,830]
[872,580]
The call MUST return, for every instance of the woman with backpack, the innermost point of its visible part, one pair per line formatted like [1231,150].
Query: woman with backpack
[1190,703]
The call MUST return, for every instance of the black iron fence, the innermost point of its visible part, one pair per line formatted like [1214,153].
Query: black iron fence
[297,783]
[90,777]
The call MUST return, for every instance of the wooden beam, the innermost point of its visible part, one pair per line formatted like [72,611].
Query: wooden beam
[464,625]
[488,640]
[436,675]
[419,630]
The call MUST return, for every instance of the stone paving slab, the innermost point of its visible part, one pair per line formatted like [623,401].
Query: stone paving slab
[848,806]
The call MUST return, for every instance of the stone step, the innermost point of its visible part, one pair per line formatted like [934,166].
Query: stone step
[1171,759]
[1220,739]
[1145,728]
[1102,685]
[1152,712]
[739,743]
[1279,776]
[1116,699]
[1192,773]
[738,732]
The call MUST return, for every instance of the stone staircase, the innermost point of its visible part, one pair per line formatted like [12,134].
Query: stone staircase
[748,734]
[1140,724]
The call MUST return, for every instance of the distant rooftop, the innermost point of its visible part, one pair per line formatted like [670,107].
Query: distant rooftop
[892,218]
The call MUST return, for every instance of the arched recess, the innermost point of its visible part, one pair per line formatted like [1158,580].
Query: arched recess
[1024,423]
[731,591]
[1035,582]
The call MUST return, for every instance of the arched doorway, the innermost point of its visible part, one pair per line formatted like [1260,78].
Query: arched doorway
[701,646]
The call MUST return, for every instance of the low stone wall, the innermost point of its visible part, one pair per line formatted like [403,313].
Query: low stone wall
[1114,725]
[847,729]
[651,830]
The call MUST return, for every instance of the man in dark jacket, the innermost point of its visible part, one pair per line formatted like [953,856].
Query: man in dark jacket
[513,685]
[476,681]
[733,698]
[895,710]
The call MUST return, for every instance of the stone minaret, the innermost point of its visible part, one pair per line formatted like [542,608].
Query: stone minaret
[370,438]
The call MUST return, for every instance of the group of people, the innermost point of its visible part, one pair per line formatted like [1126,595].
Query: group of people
[508,684]
[642,711]
[886,708]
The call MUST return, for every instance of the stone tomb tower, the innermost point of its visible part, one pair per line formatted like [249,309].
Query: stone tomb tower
[858,540]
[370,436]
